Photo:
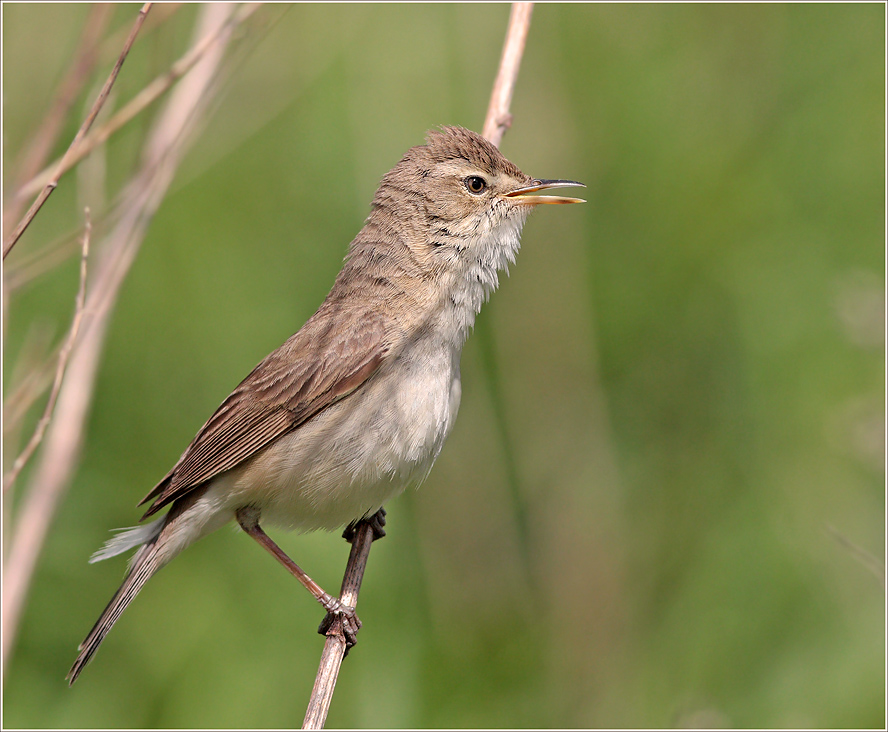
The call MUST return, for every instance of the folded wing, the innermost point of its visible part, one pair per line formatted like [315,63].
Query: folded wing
[329,358]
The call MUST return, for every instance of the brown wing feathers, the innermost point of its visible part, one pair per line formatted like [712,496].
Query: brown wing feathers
[310,371]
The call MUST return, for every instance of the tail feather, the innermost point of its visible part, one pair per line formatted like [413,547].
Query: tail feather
[126,539]
[144,564]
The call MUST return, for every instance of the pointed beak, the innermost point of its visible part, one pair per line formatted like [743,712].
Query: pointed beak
[521,194]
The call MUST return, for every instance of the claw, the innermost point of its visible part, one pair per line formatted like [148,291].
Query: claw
[343,621]
[376,522]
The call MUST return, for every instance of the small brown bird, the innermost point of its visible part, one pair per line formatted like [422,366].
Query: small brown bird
[356,405]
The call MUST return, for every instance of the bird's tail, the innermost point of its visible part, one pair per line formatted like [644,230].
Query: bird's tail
[144,564]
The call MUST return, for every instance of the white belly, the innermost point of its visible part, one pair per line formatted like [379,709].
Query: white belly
[347,461]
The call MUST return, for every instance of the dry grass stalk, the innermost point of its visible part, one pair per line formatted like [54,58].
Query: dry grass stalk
[9,243]
[35,153]
[138,104]
[499,118]
[163,149]
[65,352]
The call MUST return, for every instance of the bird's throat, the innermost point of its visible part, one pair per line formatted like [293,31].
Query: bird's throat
[477,277]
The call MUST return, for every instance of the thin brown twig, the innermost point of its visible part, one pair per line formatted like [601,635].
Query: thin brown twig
[40,143]
[151,93]
[499,118]
[335,647]
[45,418]
[81,133]
[163,150]
[498,121]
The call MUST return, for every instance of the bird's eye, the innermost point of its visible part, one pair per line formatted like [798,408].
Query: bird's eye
[476,184]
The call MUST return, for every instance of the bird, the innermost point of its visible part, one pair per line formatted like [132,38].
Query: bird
[356,405]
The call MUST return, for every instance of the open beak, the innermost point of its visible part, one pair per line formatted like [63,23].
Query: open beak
[520,194]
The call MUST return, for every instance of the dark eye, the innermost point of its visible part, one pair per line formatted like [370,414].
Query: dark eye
[476,184]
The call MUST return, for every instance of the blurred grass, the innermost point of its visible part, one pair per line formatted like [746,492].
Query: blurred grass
[676,391]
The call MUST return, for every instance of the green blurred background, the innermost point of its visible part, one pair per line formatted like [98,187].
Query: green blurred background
[668,404]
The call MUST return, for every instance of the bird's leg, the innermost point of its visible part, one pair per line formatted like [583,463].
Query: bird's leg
[248,518]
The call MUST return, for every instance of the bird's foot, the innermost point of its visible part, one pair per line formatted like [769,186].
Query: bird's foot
[376,522]
[343,621]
